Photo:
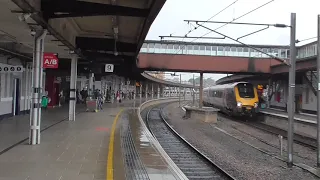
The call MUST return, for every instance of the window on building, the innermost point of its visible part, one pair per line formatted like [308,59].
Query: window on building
[151,48]
[202,50]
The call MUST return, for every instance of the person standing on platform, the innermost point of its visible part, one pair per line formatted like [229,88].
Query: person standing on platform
[99,100]
[118,96]
[84,95]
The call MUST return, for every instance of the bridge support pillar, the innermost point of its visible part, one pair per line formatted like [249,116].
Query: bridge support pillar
[158,91]
[73,84]
[37,73]
[146,91]
[152,92]
[140,90]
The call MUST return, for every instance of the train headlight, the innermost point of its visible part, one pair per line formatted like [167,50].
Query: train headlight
[239,104]
[255,105]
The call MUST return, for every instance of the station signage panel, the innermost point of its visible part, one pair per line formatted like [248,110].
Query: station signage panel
[109,68]
[50,60]
[10,69]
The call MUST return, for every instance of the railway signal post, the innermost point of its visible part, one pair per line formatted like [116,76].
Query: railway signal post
[193,92]
[292,81]
[180,92]
[318,94]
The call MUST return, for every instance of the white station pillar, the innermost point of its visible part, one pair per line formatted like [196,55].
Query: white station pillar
[37,73]
[90,89]
[73,85]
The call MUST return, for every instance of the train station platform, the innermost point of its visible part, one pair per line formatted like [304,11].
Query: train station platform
[15,130]
[302,117]
[97,146]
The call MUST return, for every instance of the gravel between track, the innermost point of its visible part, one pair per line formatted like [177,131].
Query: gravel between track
[239,159]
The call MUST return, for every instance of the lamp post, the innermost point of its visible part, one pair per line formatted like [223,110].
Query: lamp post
[318,94]
[194,92]
[180,92]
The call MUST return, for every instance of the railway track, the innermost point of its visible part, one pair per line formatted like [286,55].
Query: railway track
[298,138]
[191,162]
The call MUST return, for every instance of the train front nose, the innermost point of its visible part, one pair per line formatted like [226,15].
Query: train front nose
[250,110]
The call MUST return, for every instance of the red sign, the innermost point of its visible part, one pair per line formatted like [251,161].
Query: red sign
[50,60]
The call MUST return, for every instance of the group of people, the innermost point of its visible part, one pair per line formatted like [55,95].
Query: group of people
[82,96]
[121,95]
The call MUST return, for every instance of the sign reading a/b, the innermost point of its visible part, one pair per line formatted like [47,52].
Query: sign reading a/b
[109,68]
[50,60]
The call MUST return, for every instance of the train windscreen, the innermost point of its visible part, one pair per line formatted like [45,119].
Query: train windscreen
[246,90]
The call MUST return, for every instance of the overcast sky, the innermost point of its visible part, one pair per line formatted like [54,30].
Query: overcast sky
[170,21]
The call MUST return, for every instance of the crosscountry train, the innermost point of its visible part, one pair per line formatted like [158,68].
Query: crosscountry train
[237,99]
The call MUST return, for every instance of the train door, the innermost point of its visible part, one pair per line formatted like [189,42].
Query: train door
[16,97]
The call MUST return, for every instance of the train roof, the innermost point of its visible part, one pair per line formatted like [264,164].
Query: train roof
[224,86]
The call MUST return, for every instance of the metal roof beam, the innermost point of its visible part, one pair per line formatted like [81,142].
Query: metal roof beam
[72,8]
[100,55]
[104,44]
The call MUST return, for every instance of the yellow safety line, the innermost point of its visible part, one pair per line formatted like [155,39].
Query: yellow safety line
[111,144]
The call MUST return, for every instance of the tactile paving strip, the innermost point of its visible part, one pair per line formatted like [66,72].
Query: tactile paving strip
[133,165]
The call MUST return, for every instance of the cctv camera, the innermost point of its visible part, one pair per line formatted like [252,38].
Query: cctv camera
[33,32]
[24,17]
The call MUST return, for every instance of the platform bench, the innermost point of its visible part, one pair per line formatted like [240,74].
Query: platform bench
[206,114]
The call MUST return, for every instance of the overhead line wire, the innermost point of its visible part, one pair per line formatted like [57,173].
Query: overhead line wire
[209,19]
[249,12]
[213,16]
